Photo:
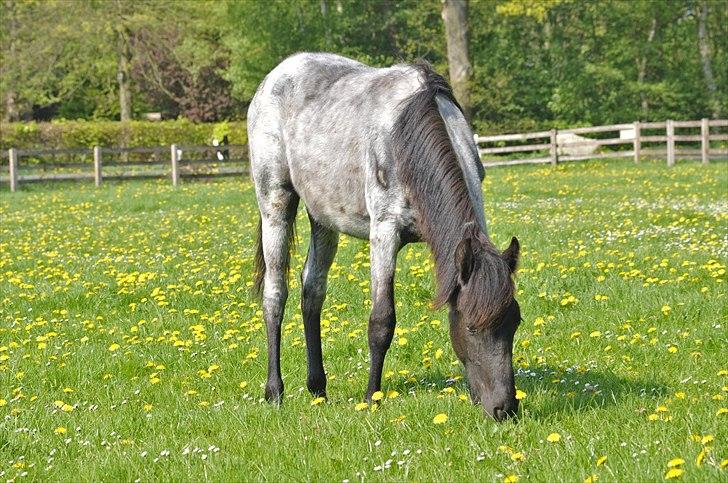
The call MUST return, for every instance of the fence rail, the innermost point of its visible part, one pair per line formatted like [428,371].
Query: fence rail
[117,163]
[564,145]
[542,147]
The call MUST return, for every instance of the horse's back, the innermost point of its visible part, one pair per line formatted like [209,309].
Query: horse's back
[328,116]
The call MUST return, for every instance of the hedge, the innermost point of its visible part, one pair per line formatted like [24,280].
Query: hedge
[75,134]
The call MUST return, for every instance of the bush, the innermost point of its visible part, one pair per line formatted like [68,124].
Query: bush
[76,134]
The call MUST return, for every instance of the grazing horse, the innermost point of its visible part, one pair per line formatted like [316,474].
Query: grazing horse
[385,155]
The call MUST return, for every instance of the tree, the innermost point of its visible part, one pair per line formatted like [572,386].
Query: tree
[455,17]
[706,57]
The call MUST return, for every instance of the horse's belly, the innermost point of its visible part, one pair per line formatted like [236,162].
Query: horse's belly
[334,197]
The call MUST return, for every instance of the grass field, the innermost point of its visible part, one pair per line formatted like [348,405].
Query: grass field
[131,349]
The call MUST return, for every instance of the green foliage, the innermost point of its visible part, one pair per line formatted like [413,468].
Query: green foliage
[71,134]
[541,63]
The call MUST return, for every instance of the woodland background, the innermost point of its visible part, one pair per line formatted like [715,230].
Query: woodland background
[526,65]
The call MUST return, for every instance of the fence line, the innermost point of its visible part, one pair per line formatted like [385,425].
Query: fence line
[565,145]
[203,165]
[553,146]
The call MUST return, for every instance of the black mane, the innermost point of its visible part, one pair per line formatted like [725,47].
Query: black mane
[428,167]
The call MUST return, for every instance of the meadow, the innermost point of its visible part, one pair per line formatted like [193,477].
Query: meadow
[131,348]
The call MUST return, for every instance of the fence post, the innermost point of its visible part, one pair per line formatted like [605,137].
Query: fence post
[670,131]
[175,165]
[637,143]
[705,141]
[97,165]
[554,147]
[13,168]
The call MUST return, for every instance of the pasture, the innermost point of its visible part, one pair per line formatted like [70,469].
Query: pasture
[130,347]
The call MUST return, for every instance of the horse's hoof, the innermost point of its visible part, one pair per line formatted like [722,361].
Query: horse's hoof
[317,387]
[274,395]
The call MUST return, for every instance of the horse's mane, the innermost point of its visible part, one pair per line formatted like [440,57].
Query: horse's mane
[428,167]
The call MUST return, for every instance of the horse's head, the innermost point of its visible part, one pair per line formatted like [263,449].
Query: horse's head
[484,316]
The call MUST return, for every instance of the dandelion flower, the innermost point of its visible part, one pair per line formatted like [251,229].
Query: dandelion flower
[553,438]
[511,479]
[602,460]
[673,473]
[440,418]
[361,406]
[520,394]
[675,462]
[60,430]
[378,396]
[318,401]
[114,347]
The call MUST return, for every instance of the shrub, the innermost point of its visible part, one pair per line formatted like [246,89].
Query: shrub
[75,134]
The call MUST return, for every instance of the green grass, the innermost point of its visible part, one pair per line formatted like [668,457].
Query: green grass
[128,304]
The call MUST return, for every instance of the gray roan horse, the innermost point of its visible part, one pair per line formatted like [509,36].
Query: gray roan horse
[385,155]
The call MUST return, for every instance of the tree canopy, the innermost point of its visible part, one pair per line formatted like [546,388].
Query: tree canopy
[534,64]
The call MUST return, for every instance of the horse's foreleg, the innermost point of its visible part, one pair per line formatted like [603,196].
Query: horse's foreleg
[321,254]
[278,212]
[384,244]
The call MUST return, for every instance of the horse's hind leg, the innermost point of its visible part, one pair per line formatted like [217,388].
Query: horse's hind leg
[278,205]
[321,254]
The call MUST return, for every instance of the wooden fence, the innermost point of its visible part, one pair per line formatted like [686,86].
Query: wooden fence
[557,146]
[554,146]
[113,163]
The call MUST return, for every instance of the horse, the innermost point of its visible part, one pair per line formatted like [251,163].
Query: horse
[383,154]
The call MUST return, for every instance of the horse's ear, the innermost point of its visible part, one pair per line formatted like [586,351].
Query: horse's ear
[464,253]
[511,254]
[464,260]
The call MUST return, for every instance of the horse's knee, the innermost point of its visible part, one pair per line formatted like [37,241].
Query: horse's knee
[381,327]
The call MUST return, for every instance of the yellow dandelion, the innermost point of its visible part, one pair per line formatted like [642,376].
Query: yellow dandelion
[553,438]
[520,394]
[318,401]
[3,402]
[673,473]
[361,406]
[701,456]
[440,419]
[591,478]
[511,479]
[391,394]
[114,347]
[602,460]
[708,438]
[518,456]
[60,430]
[378,396]
[675,462]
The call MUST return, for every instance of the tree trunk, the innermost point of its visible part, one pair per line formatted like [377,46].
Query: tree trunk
[642,70]
[705,57]
[11,104]
[323,5]
[455,16]
[123,74]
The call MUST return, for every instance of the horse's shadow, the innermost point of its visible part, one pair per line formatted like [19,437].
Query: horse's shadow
[555,391]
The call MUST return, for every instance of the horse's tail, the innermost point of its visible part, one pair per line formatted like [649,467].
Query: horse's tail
[259,262]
